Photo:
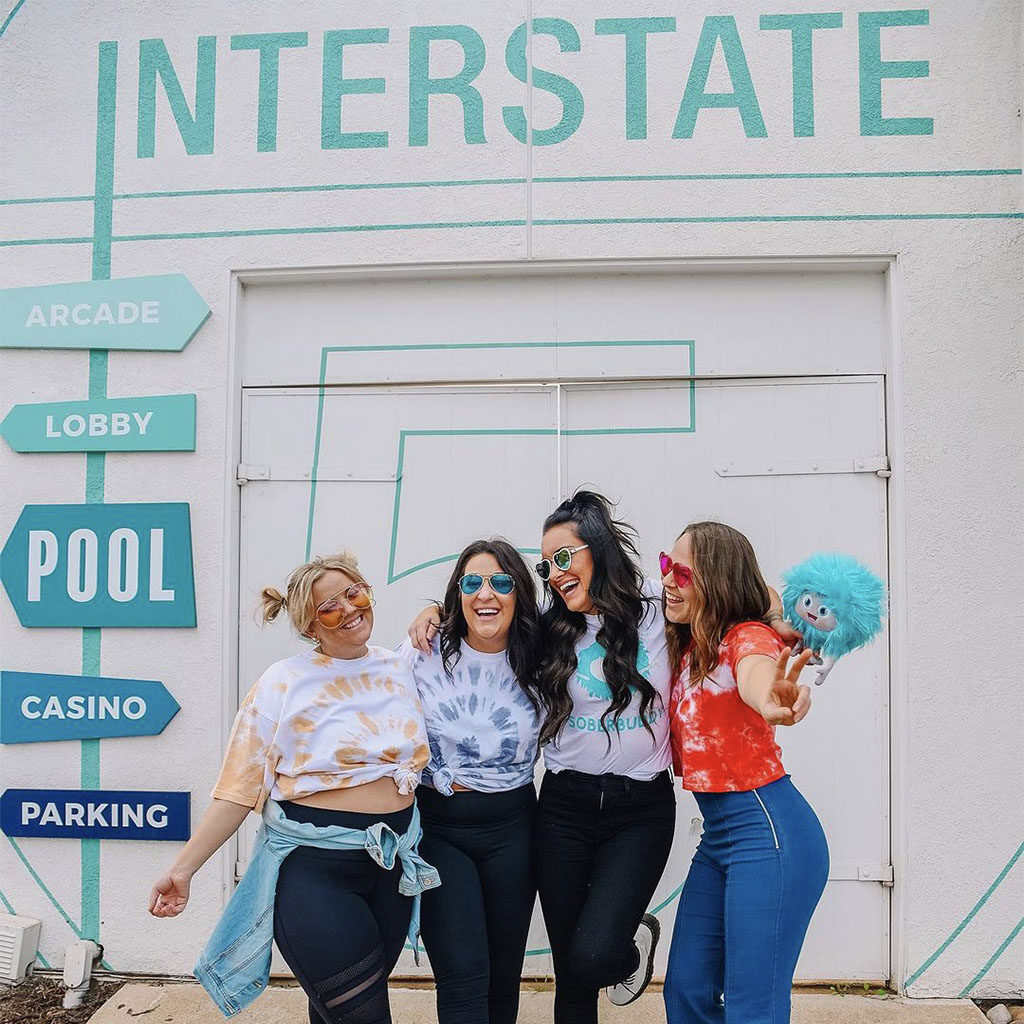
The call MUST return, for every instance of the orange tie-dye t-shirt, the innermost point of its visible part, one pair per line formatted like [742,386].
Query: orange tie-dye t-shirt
[313,723]
[719,743]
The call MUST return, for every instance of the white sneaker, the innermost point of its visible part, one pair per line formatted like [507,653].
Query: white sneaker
[646,943]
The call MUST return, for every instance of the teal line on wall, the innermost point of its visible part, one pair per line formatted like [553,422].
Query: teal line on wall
[328,350]
[986,896]
[329,229]
[986,172]
[47,241]
[993,958]
[10,17]
[95,462]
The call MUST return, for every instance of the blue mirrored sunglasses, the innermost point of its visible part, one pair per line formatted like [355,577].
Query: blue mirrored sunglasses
[500,583]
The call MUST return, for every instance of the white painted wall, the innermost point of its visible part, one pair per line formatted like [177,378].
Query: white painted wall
[954,372]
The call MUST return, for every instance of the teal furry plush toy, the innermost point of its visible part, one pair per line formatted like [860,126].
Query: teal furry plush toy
[836,605]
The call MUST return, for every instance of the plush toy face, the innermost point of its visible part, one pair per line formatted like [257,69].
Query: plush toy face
[834,602]
[814,609]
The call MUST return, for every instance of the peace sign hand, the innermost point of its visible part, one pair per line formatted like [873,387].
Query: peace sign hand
[787,702]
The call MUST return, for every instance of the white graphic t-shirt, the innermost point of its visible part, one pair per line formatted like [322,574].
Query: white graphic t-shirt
[624,747]
[481,727]
[313,723]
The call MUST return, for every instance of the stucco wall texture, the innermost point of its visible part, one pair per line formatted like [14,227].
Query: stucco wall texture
[943,202]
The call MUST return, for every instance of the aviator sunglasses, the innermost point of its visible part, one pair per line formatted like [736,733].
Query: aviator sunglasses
[331,613]
[682,574]
[561,560]
[499,582]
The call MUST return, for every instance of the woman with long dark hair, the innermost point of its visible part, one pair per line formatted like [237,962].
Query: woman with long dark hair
[477,797]
[762,862]
[606,812]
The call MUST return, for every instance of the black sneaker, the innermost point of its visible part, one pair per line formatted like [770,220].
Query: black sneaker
[632,988]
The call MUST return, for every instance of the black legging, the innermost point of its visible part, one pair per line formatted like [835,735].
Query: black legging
[340,921]
[601,843]
[475,925]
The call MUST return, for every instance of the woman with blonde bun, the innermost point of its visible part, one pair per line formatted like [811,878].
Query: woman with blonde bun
[327,746]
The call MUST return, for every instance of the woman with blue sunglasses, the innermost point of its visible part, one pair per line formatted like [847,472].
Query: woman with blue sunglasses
[477,798]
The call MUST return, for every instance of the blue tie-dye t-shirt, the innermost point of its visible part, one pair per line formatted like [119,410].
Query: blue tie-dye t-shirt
[481,727]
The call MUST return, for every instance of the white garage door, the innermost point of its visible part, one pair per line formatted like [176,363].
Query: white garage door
[407,475]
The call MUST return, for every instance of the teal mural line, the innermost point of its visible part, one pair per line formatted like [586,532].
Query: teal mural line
[985,172]
[86,240]
[33,200]
[328,350]
[331,229]
[10,17]
[655,343]
[49,895]
[322,229]
[95,462]
[316,451]
[46,892]
[967,920]
[10,910]
[797,218]
[993,958]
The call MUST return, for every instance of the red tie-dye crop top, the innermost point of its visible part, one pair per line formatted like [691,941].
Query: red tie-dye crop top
[719,743]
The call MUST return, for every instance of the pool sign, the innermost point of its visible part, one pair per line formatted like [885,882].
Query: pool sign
[160,313]
[160,423]
[95,814]
[99,565]
[39,706]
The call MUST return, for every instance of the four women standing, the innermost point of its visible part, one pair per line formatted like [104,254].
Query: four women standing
[600,680]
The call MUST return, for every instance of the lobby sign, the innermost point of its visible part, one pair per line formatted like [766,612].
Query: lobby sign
[97,565]
[161,313]
[40,706]
[95,814]
[158,423]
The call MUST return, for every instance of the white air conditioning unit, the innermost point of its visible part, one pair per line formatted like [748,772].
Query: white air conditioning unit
[19,940]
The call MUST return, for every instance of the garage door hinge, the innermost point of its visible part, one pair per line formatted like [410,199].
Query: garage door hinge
[240,866]
[244,473]
[877,464]
[876,873]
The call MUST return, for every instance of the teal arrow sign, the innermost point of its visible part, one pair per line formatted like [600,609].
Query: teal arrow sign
[153,314]
[161,423]
[101,565]
[37,706]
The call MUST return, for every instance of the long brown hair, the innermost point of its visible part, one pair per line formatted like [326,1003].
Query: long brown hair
[729,589]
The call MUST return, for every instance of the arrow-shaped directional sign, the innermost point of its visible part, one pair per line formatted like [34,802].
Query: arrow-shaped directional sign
[153,314]
[160,423]
[101,565]
[37,706]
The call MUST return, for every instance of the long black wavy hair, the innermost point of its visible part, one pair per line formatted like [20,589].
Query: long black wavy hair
[524,632]
[616,591]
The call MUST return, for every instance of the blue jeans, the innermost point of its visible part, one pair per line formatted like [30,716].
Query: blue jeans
[755,880]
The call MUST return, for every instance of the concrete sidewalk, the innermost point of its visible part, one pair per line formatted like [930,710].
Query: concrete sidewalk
[188,1004]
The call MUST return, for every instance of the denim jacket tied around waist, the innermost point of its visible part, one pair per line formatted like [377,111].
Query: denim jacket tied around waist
[235,965]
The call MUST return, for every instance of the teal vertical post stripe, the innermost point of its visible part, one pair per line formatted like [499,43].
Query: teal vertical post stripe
[95,462]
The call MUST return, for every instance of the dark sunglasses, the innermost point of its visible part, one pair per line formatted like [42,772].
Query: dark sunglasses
[561,560]
[499,582]
[682,574]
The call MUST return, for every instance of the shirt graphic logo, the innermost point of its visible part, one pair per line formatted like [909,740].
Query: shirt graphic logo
[590,669]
